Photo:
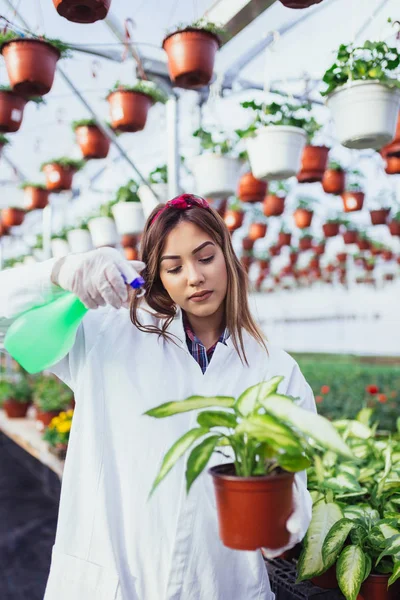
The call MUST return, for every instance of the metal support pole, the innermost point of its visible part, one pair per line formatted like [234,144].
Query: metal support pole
[173,159]
[47,230]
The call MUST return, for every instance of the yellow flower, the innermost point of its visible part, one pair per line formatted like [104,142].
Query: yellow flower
[62,415]
[70,412]
[54,422]
[64,427]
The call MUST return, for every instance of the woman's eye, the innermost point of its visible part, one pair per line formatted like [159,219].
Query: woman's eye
[207,260]
[173,271]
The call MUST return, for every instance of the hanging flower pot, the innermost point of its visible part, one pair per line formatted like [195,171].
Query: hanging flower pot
[350,237]
[131,253]
[314,262]
[246,261]
[305,243]
[82,11]
[273,206]
[15,409]
[303,217]
[393,148]
[392,165]
[342,257]
[257,231]
[387,255]
[233,219]
[284,239]
[247,244]
[59,247]
[319,249]
[333,181]
[275,151]
[103,232]
[352,201]
[363,244]
[251,189]
[36,197]
[215,175]
[11,111]
[148,199]
[129,217]
[129,241]
[79,240]
[375,587]
[31,65]
[380,216]
[12,217]
[313,164]
[3,229]
[92,141]
[129,110]
[275,250]
[394,228]
[330,229]
[191,56]
[299,3]
[59,173]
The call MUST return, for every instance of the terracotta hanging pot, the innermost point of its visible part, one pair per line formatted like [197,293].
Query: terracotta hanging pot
[92,141]
[393,148]
[131,253]
[11,111]
[251,189]
[313,164]
[314,263]
[394,228]
[35,198]
[375,587]
[3,229]
[319,249]
[264,265]
[330,229]
[30,65]
[293,258]
[350,237]
[58,178]
[303,217]
[247,244]
[15,410]
[274,250]
[284,239]
[352,201]
[233,219]
[299,3]
[82,11]
[129,240]
[333,181]
[379,217]
[273,206]
[392,165]
[191,56]
[252,511]
[129,110]
[387,255]
[305,244]
[246,261]
[341,256]
[257,231]
[363,244]
[12,217]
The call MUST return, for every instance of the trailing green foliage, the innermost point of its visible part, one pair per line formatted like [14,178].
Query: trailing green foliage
[3,140]
[159,175]
[66,163]
[201,24]
[217,143]
[19,390]
[9,36]
[143,87]
[128,192]
[26,184]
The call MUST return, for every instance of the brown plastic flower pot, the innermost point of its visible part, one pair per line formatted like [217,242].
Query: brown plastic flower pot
[330,229]
[15,410]
[299,3]
[392,165]
[275,250]
[92,141]
[375,587]
[191,56]
[11,111]
[394,228]
[328,580]
[30,65]
[82,11]
[45,417]
[305,244]
[313,164]
[352,201]
[129,241]
[379,217]
[303,217]
[393,148]
[251,189]
[363,244]
[257,231]
[247,244]
[333,181]
[36,198]
[129,110]
[130,253]
[252,511]
[284,239]
[350,237]
[273,206]
[58,178]
[246,262]
[12,217]
[341,256]
[319,249]
[233,219]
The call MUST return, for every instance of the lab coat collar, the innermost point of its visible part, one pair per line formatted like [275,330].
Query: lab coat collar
[177,329]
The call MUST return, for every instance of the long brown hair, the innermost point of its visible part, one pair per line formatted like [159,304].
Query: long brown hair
[237,312]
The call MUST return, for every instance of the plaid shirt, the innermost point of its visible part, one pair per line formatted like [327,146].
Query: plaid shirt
[197,349]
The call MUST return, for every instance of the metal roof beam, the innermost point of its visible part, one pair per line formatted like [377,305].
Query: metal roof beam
[235,15]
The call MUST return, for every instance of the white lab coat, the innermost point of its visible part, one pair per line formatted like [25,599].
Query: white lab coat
[112,543]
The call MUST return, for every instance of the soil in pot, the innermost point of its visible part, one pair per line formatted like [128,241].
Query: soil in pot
[392,165]
[36,198]
[11,111]
[394,228]
[251,189]
[352,201]
[350,237]
[379,217]
[92,142]
[31,65]
[303,217]
[313,164]
[58,178]
[129,110]
[273,206]
[284,239]
[375,588]
[252,511]
[257,231]
[191,56]
[12,217]
[333,181]
[82,11]
[15,410]
[330,229]
[233,219]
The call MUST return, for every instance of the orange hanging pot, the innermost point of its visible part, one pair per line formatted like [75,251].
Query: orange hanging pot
[247,244]
[319,249]
[129,110]
[305,243]
[252,511]
[257,231]
[31,65]
[350,237]
[392,165]
[82,11]
[92,141]
[380,216]
[11,111]
[251,189]
[284,239]
[12,217]
[303,217]
[233,219]
[333,181]
[330,229]
[58,178]
[393,148]
[36,197]
[131,253]
[313,164]
[191,56]
[299,3]
[273,206]
[394,228]
[352,201]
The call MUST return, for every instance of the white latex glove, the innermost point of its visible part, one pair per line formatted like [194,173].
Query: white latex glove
[96,277]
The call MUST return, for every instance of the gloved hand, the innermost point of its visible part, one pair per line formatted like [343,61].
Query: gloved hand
[96,277]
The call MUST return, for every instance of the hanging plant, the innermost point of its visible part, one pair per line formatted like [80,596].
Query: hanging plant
[258,229]
[59,172]
[274,202]
[393,148]
[11,110]
[191,51]
[305,241]
[350,236]
[12,216]
[353,197]
[303,214]
[313,164]
[92,141]
[31,62]
[36,195]
[331,227]
[394,225]
[392,165]
[284,236]
[3,141]
[333,181]
[363,94]
[130,104]
[127,209]
[380,213]
[82,11]
[234,216]
[251,189]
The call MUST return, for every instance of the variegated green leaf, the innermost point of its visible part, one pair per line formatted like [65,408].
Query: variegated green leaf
[396,573]
[364,416]
[334,541]
[387,530]
[354,428]
[192,403]
[247,402]
[198,459]
[267,428]
[392,548]
[313,425]
[368,566]
[216,418]
[316,496]
[293,463]
[345,483]
[350,571]
[350,469]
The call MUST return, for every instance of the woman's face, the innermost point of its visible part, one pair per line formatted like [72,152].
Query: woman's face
[191,264]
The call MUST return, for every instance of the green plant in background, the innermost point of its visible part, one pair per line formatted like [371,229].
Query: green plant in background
[20,390]
[159,175]
[26,184]
[396,216]
[9,36]
[235,204]
[201,24]
[51,394]
[333,165]
[6,390]
[38,245]
[35,99]
[216,142]
[278,188]
[66,163]
[374,61]
[349,224]
[306,202]
[306,234]
[128,192]
[141,87]
[3,140]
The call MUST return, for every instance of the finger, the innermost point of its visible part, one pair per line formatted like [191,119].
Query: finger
[131,269]
[114,277]
[94,294]
[87,301]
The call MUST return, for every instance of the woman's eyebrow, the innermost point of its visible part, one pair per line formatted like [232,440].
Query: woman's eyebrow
[193,251]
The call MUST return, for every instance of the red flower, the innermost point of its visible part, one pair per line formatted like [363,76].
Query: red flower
[318,399]
[325,389]
[382,398]
[372,389]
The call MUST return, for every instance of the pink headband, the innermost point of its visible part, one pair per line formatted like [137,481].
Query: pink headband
[182,202]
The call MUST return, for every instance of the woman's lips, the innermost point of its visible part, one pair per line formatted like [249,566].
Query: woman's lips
[202,298]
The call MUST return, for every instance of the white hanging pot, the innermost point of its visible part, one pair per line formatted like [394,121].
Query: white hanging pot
[79,240]
[148,199]
[216,176]
[129,217]
[275,151]
[103,232]
[364,113]
[59,248]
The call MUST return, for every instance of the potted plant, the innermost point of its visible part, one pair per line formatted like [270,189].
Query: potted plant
[284,236]
[191,51]
[92,141]
[299,3]
[15,398]
[36,195]
[246,260]
[158,178]
[59,172]
[50,397]
[363,94]
[353,197]
[333,181]
[3,142]
[392,165]
[305,241]
[274,202]
[82,11]
[393,148]
[59,244]
[314,158]
[331,227]
[247,244]
[251,189]
[303,213]
[57,433]
[379,215]
[258,229]
[102,227]
[234,216]
[268,435]
[276,138]
[130,104]
[274,250]
[127,209]
[11,110]
[350,236]
[79,238]
[363,241]
[394,225]
[31,62]
[12,216]
[319,247]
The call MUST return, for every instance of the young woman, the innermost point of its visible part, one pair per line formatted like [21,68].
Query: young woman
[191,333]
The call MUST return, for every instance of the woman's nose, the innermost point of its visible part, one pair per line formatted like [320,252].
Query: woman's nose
[195,275]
